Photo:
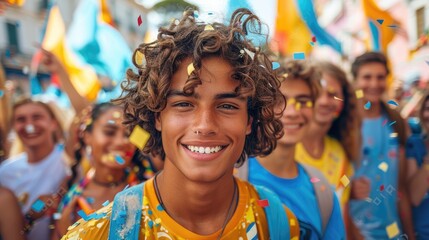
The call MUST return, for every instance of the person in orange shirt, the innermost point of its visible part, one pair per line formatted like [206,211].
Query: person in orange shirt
[208,98]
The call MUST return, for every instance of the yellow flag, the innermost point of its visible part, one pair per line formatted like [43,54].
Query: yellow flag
[83,77]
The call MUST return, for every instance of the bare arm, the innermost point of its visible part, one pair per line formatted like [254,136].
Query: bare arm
[11,219]
[404,206]
[418,183]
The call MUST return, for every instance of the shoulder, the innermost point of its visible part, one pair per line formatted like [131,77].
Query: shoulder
[95,226]
[13,162]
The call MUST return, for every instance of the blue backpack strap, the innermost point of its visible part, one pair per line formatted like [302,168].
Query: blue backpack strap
[278,222]
[126,214]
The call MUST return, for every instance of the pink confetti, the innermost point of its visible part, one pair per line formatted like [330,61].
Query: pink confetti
[314,180]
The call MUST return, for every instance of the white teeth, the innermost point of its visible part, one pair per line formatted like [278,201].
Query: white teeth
[289,126]
[204,150]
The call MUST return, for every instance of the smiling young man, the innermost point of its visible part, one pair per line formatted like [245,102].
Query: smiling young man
[206,105]
[295,183]
[380,207]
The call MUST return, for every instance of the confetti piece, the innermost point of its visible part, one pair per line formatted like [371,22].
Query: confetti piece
[299,56]
[250,53]
[138,58]
[313,39]
[84,205]
[196,14]
[368,199]
[391,102]
[359,94]
[314,180]
[263,203]
[381,188]
[99,225]
[367,105]
[176,22]
[119,160]
[383,166]
[292,222]
[208,28]
[210,13]
[345,180]
[392,230]
[139,137]
[190,68]
[139,20]
[380,21]
[158,221]
[392,26]
[106,203]
[390,124]
[57,216]
[276,65]
[38,205]
[159,207]
[312,44]
[338,99]
[1,93]
[83,215]
[384,122]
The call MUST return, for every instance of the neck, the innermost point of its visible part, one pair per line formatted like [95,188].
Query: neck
[106,175]
[37,154]
[208,205]
[373,112]
[314,144]
[281,162]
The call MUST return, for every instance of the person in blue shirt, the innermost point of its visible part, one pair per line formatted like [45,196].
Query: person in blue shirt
[379,205]
[280,172]
[418,170]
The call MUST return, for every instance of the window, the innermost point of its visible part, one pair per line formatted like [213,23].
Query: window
[420,21]
[12,35]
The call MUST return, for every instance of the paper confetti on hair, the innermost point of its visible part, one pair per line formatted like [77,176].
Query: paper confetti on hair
[299,56]
[138,58]
[339,99]
[359,94]
[367,105]
[392,230]
[275,65]
[263,203]
[250,53]
[390,124]
[380,21]
[190,68]
[383,166]
[139,137]
[392,102]
[314,180]
[345,180]
[139,20]
[208,27]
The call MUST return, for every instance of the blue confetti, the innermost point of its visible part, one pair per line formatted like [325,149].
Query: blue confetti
[312,44]
[149,212]
[1,93]
[390,124]
[299,56]
[83,215]
[367,105]
[38,205]
[380,21]
[90,200]
[150,223]
[392,103]
[106,203]
[159,207]
[119,160]
[276,65]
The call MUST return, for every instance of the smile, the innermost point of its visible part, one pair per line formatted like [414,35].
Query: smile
[292,126]
[204,150]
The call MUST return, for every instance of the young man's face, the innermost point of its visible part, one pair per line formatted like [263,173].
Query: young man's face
[371,78]
[203,134]
[327,107]
[298,112]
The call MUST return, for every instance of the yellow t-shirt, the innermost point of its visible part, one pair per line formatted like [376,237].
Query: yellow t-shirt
[333,164]
[156,224]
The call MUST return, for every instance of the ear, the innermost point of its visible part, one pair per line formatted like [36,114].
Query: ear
[249,125]
[158,122]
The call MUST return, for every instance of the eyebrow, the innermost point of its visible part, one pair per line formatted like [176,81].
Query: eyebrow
[302,96]
[219,96]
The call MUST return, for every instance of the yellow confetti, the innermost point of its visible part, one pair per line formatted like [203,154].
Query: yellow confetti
[392,230]
[190,68]
[359,94]
[139,137]
[345,180]
[117,114]
[383,166]
[292,222]
[138,58]
[208,28]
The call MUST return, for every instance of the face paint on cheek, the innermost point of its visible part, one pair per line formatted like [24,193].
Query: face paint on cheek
[30,129]
[108,158]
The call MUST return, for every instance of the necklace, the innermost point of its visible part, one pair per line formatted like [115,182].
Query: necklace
[110,184]
[231,209]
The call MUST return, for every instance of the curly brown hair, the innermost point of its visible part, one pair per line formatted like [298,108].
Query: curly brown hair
[145,92]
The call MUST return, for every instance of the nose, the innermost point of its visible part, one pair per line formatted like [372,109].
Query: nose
[205,122]
[292,110]
[323,99]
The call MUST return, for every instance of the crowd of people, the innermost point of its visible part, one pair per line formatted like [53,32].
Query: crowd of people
[238,148]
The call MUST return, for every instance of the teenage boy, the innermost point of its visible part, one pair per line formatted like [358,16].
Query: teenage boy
[207,97]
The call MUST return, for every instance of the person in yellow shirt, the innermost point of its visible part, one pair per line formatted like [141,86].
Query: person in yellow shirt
[333,140]
[208,98]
